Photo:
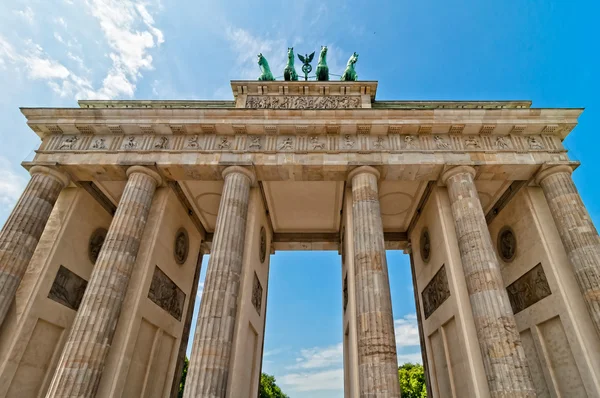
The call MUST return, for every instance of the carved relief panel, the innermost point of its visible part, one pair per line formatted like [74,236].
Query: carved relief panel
[304,141]
[68,288]
[303,102]
[257,294]
[436,292]
[166,294]
[528,289]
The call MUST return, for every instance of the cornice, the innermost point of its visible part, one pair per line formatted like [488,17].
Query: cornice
[558,122]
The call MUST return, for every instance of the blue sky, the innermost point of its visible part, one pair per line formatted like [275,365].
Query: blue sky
[54,52]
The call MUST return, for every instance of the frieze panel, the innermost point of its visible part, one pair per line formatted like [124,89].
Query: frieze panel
[303,102]
[436,292]
[257,294]
[305,143]
[68,288]
[528,289]
[166,294]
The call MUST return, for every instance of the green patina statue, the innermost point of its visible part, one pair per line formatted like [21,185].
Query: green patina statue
[266,74]
[289,73]
[349,73]
[322,69]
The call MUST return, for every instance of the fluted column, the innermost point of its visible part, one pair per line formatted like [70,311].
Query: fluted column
[23,229]
[377,359]
[577,232]
[80,367]
[503,356]
[211,353]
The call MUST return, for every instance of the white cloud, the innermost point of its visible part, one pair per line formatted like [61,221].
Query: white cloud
[320,357]
[11,185]
[78,60]
[7,52]
[246,48]
[43,68]
[59,38]
[407,331]
[316,369]
[130,32]
[321,368]
[119,21]
[413,357]
[26,14]
[318,381]
[274,352]
[61,21]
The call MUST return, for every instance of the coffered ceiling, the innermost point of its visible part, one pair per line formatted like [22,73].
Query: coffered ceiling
[302,208]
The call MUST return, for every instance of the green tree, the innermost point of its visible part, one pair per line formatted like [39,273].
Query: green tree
[268,388]
[412,380]
[183,376]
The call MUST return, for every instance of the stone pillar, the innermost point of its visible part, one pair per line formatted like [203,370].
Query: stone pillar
[23,229]
[209,365]
[577,232]
[377,359]
[80,366]
[504,359]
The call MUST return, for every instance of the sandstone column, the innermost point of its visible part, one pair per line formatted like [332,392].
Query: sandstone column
[377,359]
[80,367]
[577,232]
[211,352]
[504,359]
[23,229]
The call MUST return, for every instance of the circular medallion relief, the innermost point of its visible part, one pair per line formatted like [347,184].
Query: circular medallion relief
[95,244]
[425,243]
[507,244]
[181,247]
[263,244]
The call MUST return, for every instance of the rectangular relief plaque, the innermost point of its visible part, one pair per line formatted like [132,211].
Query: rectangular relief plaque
[303,101]
[257,294]
[436,292]
[528,289]
[166,294]
[68,288]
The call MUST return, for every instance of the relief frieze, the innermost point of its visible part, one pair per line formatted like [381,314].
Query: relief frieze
[436,292]
[68,288]
[166,294]
[257,294]
[528,289]
[305,143]
[303,102]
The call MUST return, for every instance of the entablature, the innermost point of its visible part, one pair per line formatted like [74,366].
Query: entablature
[160,121]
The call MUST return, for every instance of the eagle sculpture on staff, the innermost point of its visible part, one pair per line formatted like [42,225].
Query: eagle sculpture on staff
[306,60]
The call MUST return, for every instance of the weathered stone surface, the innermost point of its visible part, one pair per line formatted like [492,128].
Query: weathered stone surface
[377,361]
[23,229]
[82,361]
[211,353]
[503,356]
[577,232]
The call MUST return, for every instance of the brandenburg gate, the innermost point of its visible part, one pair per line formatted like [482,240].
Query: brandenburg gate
[100,258]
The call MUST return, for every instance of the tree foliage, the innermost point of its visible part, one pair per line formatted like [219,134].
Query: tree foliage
[183,376]
[268,388]
[412,381]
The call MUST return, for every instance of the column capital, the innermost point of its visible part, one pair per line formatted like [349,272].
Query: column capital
[561,168]
[361,170]
[147,171]
[457,170]
[57,175]
[242,170]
